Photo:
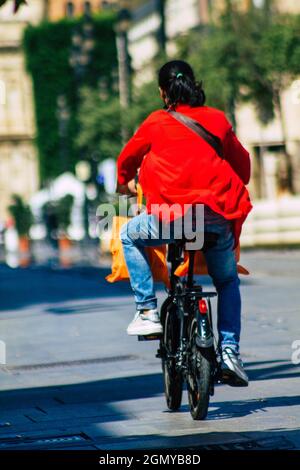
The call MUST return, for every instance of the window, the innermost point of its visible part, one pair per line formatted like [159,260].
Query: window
[106,5]
[70,9]
[87,8]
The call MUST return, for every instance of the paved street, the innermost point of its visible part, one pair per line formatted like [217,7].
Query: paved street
[74,379]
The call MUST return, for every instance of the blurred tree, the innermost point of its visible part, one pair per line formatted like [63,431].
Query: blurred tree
[250,56]
[213,51]
[99,124]
[100,119]
[17,4]
[145,100]
[270,50]
[47,49]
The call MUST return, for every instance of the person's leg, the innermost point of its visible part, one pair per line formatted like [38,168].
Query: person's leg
[139,232]
[222,268]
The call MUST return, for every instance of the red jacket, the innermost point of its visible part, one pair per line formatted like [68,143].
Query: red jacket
[178,167]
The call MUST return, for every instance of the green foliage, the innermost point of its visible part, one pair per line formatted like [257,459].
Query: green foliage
[101,118]
[145,97]
[214,53]
[280,46]
[248,56]
[242,57]
[47,49]
[270,51]
[99,124]
[204,51]
[21,214]
[145,100]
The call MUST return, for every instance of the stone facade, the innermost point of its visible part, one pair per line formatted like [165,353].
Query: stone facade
[18,156]
[265,143]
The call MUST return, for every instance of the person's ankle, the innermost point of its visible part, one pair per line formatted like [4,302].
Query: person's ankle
[146,311]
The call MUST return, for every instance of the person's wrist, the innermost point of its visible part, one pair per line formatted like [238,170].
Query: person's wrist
[132,187]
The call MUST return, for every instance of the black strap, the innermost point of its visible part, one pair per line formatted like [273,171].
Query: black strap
[210,138]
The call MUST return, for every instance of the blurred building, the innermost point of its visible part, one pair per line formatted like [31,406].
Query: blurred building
[58,9]
[19,172]
[276,218]
[285,6]
[18,156]
[265,143]
[289,6]
[156,21]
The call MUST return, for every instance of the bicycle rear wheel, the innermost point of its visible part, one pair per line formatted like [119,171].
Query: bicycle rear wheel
[173,381]
[199,376]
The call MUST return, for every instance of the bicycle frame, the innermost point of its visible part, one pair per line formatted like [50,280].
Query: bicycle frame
[185,294]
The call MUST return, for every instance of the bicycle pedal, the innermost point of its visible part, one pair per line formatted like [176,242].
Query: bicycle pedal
[153,337]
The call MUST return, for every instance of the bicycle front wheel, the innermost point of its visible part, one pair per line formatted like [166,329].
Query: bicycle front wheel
[198,376]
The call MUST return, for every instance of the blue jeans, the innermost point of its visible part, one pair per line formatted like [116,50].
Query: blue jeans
[220,261]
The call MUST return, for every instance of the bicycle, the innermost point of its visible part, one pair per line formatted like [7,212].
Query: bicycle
[187,346]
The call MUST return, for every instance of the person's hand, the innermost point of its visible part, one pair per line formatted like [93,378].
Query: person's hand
[132,187]
[128,189]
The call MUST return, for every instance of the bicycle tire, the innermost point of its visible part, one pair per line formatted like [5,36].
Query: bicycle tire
[173,381]
[199,374]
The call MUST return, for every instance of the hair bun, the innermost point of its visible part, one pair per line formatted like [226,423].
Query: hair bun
[186,90]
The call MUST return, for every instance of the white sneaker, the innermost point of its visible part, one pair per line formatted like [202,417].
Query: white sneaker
[145,323]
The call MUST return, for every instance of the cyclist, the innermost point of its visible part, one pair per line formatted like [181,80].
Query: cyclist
[177,167]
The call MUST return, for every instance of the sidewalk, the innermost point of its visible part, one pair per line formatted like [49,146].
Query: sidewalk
[74,379]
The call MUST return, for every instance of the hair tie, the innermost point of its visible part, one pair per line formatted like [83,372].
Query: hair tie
[179,75]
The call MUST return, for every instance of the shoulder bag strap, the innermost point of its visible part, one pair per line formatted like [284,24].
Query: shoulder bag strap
[210,138]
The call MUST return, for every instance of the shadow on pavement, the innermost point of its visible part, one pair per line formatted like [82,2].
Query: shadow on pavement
[241,408]
[107,390]
[283,370]
[90,407]
[20,288]
[23,287]
[138,387]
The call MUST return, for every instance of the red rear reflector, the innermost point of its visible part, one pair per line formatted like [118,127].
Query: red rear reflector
[202,306]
